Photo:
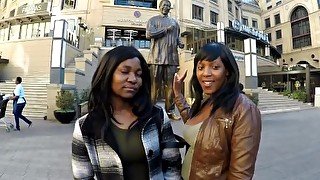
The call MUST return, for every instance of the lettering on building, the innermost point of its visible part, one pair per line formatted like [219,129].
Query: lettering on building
[32,8]
[243,28]
[136,22]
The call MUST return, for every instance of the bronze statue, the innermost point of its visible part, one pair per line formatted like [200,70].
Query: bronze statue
[163,59]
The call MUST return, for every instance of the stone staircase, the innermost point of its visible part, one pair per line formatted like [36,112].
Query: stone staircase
[36,95]
[272,102]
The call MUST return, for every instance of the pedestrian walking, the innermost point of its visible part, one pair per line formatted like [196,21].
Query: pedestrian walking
[19,102]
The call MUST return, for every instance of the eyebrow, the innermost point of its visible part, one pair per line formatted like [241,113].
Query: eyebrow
[130,67]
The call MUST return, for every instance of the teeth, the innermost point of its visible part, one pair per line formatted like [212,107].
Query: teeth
[207,82]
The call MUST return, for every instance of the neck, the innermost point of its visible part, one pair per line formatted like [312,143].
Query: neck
[119,104]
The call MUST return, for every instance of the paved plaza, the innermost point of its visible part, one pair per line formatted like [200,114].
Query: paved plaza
[289,149]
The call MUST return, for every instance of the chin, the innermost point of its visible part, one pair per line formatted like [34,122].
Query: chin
[209,92]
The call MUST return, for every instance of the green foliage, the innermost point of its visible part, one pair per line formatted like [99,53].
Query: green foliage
[84,96]
[300,95]
[65,100]
[286,93]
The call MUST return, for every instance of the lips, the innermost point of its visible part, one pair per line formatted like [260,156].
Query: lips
[131,88]
[208,83]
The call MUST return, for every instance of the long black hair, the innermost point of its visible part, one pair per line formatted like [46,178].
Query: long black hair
[101,91]
[227,95]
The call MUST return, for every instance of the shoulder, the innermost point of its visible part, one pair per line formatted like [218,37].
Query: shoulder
[157,109]
[91,123]
[81,120]
[245,109]
[18,86]
[157,115]
[154,18]
[244,102]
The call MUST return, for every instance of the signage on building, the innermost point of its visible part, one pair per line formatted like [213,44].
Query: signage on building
[238,26]
[32,8]
[135,22]
[137,14]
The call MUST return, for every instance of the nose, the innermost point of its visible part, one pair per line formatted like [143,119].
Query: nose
[207,71]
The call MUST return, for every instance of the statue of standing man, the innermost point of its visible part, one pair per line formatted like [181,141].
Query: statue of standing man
[163,59]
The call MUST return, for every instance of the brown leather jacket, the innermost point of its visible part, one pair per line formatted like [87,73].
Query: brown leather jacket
[227,144]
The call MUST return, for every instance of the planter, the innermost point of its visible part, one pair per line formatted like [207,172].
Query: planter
[65,117]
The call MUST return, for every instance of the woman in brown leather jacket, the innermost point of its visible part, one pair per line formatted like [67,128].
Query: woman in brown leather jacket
[223,126]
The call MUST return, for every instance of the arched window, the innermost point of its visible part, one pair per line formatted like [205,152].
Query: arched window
[300,28]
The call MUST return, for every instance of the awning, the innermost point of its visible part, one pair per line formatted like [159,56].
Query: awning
[244,35]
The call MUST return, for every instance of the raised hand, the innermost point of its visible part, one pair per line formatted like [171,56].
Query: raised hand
[177,83]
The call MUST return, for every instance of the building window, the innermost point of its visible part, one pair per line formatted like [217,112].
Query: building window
[199,39]
[269,7]
[14,32]
[278,34]
[279,48]
[137,3]
[69,4]
[269,36]
[230,23]
[300,28]
[5,3]
[237,13]
[245,21]
[234,42]
[267,22]
[213,17]
[255,24]
[277,19]
[319,4]
[229,6]
[4,34]
[278,3]
[197,12]
[126,37]
[215,1]
[268,1]
[12,13]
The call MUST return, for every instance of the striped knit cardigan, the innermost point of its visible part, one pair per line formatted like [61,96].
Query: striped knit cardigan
[93,158]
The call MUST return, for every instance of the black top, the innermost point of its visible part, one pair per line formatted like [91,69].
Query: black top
[128,145]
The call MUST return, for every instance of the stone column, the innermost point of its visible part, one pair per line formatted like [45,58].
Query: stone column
[58,52]
[250,62]
[220,32]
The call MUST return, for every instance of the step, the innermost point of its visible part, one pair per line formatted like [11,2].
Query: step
[269,111]
[280,102]
[35,88]
[279,106]
[277,99]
